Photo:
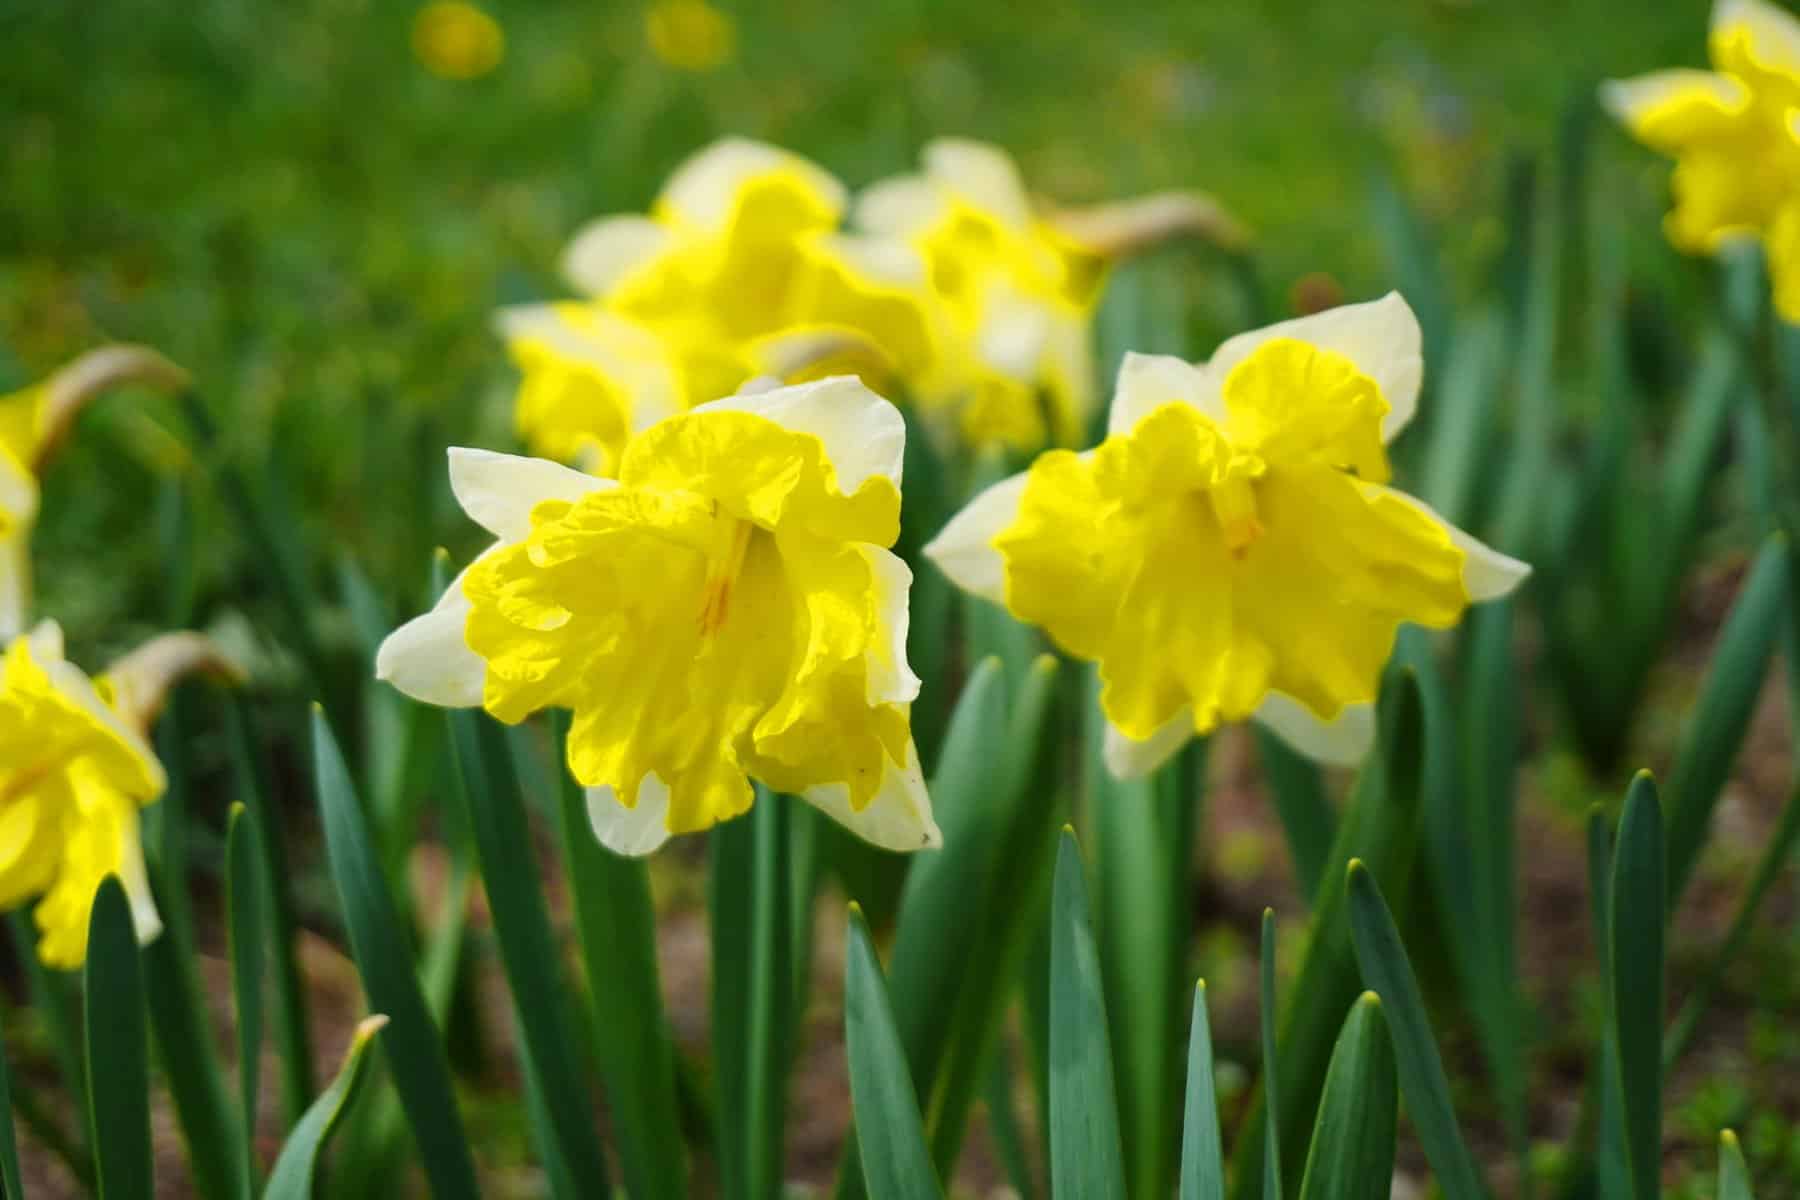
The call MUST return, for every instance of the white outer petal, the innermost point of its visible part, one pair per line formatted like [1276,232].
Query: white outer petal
[630,355]
[145,920]
[633,832]
[1380,336]
[901,207]
[498,491]
[964,548]
[982,173]
[1629,99]
[1342,742]
[1149,381]
[607,249]
[1014,334]
[1128,758]
[891,679]
[864,435]
[15,583]
[898,817]
[429,659]
[886,261]
[46,639]
[1487,574]
[1774,33]
[703,189]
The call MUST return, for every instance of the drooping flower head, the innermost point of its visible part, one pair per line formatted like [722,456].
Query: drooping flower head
[1232,548]
[737,262]
[1733,134]
[726,609]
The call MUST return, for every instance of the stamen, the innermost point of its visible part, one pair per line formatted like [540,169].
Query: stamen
[721,574]
[1234,504]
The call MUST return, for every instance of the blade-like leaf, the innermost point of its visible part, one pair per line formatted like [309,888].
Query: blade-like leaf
[1085,1155]
[245,928]
[731,876]
[10,1188]
[1271,1072]
[1202,1155]
[1352,1151]
[1734,1176]
[415,1052]
[1389,974]
[117,1050]
[1638,918]
[771,995]
[891,1133]
[292,1178]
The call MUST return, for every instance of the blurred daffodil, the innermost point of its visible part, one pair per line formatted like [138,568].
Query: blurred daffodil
[456,40]
[1734,133]
[75,767]
[1232,549]
[690,35]
[736,273]
[725,609]
[33,422]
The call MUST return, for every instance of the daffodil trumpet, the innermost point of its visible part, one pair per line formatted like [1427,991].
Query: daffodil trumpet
[725,609]
[75,768]
[1233,550]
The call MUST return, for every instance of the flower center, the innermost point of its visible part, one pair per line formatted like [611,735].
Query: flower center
[1234,505]
[723,566]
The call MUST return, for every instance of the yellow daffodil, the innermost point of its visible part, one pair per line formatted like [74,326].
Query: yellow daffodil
[1232,548]
[690,35]
[73,773]
[736,266]
[456,40]
[32,423]
[1734,136]
[725,609]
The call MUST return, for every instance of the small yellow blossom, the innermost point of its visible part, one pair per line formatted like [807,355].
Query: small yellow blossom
[456,40]
[690,35]
[1232,549]
[725,609]
[1734,137]
[737,266]
[73,773]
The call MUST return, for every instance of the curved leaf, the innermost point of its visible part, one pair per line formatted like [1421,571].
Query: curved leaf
[292,1178]
[895,1158]
[1352,1151]
[1086,1159]
[117,1050]
[1636,966]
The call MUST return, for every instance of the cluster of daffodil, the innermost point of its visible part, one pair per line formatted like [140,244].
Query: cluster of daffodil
[726,608]
[75,761]
[949,287]
[1734,133]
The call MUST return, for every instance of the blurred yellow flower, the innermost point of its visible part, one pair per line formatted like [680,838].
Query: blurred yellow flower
[1232,549]
[725,609]
[456,40]
[690,35]
[1734,136]
[73,773]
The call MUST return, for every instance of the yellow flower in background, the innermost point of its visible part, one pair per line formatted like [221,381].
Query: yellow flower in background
[73,774]
[1016,295]
[456,40]
[690,35]
[1232,549]
[737,272]
[1734,138]
[726,609]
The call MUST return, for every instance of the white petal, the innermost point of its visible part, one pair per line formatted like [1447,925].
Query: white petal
[498,491]
[864,435]
[46,640]
[632,356]
[15,583]
[429,659]
[898,817]
[635,831]
[981,173]
[145,920]
[891,679]
[703,190]
[902,206]
[1487,574]
[1128,758]
[1013,335]
[1342,742]
[1149,381]
[885,261]
[1629,100]
[964,548]
[1380,336]
[606,250]
[1774,33]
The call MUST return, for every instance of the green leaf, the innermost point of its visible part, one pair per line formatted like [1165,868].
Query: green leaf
[1271,1073]
[895,1158]
[495,812]
[298,1162]
[1202,1154]
[1734,1176]
[117,1050]
[616,926]
[415,1052]
[1086,1159]
[1389,974]
[1636,966]
[1352,1152]
[244,933]
[10,1188]
[731,877]
[771,994]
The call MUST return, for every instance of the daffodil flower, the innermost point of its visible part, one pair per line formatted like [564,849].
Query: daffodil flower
[726,609]
[1232,549]
[1734,136]
[738,261]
